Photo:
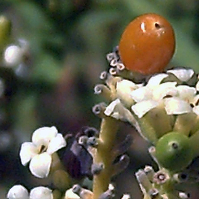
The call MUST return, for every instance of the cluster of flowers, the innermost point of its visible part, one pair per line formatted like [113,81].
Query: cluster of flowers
[164,108]
[76,163]
[38,153]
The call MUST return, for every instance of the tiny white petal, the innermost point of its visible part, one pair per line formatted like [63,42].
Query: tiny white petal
[143,180]
[110,108]
[40,165]
[126,196]
[41,193]
[69,194]
[197,86]
[183,195]
[195,100]
[141,94]
[18,192]
[13,55]
[164,89]
[56,143]
[125,86]
[124,89]
[44,135]
[196,110]
[186,92]
[182,74]
[176,106]
[141,108]
[27,152]
[156,79]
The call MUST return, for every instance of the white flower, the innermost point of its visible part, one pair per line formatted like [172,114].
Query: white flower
[18,192]
[124,89]
[41,193]
[152,95]
[181,102]
[45,141]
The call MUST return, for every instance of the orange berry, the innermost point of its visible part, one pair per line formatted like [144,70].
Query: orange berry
[147,44]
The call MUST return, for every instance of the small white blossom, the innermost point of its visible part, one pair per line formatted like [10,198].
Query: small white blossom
[41,193]
[18,192]
[180,103]
[182,74]
[126,196]
[152,95]
[45,141]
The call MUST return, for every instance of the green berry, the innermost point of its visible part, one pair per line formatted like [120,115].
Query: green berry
[174,151]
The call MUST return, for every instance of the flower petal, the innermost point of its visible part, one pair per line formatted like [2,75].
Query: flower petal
[165,89]
[182,74]
[141,94]
[176,106]
[40,165]
[141,108]
[27,152]
[56,143]
[196,110]
[44,135]
[197,86]
[156,79]
[41,193]
[125,87]
[18,192]
[110,108]
[69,194]
[186,92]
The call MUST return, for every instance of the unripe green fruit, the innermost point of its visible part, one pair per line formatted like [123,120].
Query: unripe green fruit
[174,151]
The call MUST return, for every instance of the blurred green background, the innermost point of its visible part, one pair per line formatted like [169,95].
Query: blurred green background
[67,45]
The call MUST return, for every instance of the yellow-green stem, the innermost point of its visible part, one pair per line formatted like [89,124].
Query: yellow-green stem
[109,127]
[159,120]
[147,130]
[184,123]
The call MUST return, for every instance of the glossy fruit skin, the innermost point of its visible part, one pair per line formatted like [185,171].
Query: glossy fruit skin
[147,44]
[174,151]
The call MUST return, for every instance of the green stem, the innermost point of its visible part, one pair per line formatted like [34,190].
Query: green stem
[109,127]
[184,123]
[160,121]
[147,130]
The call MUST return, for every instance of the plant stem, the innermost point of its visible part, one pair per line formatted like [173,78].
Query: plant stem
[108,130]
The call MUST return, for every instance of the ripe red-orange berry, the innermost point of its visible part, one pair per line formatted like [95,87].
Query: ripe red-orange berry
[147,44]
